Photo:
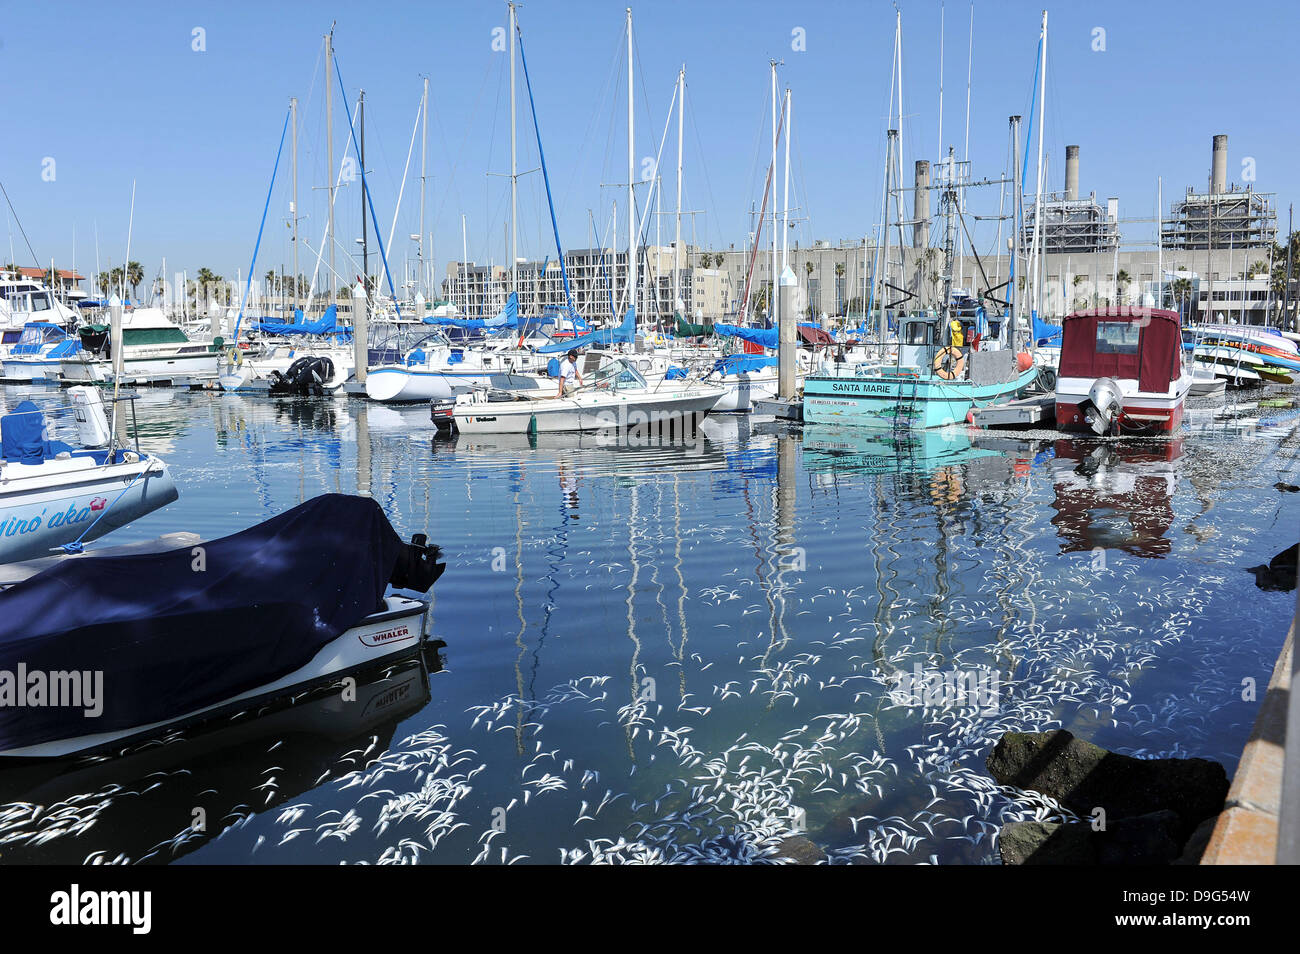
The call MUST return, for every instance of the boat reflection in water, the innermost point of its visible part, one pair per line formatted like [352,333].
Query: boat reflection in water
[1115,495]
[165,798]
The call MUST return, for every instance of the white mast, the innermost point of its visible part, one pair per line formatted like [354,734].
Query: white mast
[464,261]
[631,173]
[940,79]
[1038,197]
[1160,244]
[514,177]
[785,217]
[970,52]
[293,209]
[329,145]
[774,300]
[677,245]
[424,150]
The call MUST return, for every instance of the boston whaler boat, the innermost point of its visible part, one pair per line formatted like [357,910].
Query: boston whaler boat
[1122,369]
[100,649]
[617,397]
[52,494]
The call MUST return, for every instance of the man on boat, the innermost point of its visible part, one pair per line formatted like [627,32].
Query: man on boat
[569,371]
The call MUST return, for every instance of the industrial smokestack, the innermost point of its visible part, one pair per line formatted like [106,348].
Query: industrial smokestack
[1071,173]
[921,209]
[1219,167]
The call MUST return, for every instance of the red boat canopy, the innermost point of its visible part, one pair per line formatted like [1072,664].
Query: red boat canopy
[815,336]
[1135,343]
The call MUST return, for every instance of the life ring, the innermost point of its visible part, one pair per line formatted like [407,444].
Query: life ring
[235,355]
[949,363]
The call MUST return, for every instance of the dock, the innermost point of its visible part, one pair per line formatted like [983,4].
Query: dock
[780,408]
[1024,412]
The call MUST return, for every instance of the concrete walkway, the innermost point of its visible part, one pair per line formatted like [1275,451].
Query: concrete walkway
[1246,832]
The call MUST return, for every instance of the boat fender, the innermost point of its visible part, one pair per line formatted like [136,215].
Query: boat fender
[949,363]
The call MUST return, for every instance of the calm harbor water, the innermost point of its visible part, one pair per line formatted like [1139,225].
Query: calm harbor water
[695,652]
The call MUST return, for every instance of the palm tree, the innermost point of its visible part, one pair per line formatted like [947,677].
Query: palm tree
[134,276]
[104,281]
[839,285]
[1121,281]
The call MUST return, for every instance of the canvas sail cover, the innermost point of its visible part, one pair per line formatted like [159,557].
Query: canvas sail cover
[179,630]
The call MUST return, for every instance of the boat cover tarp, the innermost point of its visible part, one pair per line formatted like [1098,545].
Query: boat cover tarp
[624,333]
[172,634]
[686,329]
[1043,332]
[326,324]
[22,436]
[1155,364]
[742,364]
[767,337]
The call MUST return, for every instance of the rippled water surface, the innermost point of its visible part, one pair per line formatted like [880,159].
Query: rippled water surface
[701,652]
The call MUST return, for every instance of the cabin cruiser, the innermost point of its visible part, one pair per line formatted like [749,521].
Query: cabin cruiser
[1122,370]
[438,369]
[38,352]
[297,357]
[153,349]
[23,301]
[616,396]
[54,495]
[166,636]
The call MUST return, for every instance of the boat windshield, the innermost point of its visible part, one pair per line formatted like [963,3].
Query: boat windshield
[618,374]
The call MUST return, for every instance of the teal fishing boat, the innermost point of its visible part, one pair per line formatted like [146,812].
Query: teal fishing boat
[931,385]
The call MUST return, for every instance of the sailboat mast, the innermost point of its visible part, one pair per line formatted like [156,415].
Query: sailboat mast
[677,243]
[365,237]
[785,215]
[422,285]
[329,148]
[774,300]
[891,142]
[1038,197]
[631,172]
[514,171]
[293,209]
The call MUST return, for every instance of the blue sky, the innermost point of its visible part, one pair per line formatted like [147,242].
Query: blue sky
[116,93]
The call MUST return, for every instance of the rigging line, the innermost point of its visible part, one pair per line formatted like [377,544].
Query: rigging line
[440,131]
[21,230]
[366,192]
[400,192]
[243,300]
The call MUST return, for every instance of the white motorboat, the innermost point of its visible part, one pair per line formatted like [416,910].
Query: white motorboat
[38,352]
[153,349]
[284,368]
[617,398]
[439,370]
[152,640]
[52,494]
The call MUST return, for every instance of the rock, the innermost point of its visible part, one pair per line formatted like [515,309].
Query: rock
[801,850]
[1280,574]
[1143,840]
[1084,777]
[1196,845]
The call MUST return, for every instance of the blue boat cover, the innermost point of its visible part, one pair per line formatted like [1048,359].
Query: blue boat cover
[1043,332]
[625,333]
[326,324]
[172,634]
[767,337]
[742,364]
[22,436]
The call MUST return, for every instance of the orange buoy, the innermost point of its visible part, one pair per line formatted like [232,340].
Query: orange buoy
[1024,361]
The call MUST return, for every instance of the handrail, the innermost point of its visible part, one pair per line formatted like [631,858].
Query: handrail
[1288,829]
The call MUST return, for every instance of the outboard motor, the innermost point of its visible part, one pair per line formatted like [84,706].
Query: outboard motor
[92,424]
[418,565]
[306,376]
[1102,408]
